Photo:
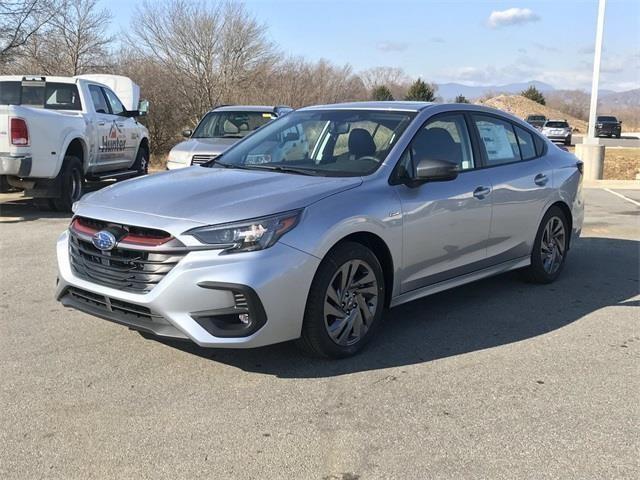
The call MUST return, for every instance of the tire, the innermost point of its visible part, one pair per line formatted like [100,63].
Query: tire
[4,185]
[567,141]
[71,184]
[618,135]
[552,240]
[141,164]
[355,321]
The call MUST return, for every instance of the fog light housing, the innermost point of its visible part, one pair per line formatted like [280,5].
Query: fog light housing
[244,318]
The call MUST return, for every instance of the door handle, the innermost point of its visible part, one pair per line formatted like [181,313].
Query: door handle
[101,124]
[541,180]
[481,192]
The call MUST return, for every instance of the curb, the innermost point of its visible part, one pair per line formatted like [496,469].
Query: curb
[616,184]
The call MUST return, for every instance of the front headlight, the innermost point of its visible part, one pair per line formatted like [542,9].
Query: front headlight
[179,156]
[248,235]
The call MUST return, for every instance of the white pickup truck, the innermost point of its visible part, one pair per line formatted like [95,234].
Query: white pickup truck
[57,132]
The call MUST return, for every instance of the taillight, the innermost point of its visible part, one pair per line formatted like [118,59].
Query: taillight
[19,132]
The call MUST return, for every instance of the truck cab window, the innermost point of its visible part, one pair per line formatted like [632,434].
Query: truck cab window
[97,97]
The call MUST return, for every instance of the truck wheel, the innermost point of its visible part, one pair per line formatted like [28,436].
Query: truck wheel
[71,180]
[4,184]
[141,165]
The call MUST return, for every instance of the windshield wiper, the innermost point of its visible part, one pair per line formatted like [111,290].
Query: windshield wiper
[283,169]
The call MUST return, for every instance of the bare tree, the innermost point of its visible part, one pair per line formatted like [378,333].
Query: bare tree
[20,20]
[75,41]
[216,50]
[395,79]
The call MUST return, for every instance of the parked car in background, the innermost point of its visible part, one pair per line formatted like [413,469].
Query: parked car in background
[557,131]
[55,132]
[386,203]
[218,130]
[608,126]
[536,120]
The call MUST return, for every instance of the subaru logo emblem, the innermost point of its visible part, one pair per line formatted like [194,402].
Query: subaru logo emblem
[104,240]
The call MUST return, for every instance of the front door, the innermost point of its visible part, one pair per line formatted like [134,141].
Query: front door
[445,224]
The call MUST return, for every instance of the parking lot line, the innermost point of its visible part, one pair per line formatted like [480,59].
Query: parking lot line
[637,204]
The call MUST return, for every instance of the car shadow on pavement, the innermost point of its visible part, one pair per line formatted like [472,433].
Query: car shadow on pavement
[601,272]
[20,210]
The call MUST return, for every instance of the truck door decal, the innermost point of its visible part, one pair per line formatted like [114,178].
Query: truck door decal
[115,141]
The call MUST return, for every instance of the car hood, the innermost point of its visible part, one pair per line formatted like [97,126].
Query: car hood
[199,195]
[205,146]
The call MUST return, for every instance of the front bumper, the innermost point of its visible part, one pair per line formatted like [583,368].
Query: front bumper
[15,165]
[203,282]
[606,130]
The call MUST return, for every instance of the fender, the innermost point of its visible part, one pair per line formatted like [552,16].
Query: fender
[70,137]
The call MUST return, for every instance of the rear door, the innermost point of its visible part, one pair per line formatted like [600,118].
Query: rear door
[445,224]
[522,180]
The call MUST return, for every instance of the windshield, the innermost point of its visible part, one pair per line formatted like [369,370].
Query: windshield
[607,119]
[231,124]
[556,125]
[322,142]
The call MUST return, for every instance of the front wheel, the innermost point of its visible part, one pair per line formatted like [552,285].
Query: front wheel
[345,302]
[550,248]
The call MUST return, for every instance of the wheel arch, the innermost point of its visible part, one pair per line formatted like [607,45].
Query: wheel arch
[77,147]
[380,249]
[562,205]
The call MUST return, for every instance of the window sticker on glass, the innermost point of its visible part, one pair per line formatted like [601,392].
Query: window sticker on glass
[495,140]
[268,115]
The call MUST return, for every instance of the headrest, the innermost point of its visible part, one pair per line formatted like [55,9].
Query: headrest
[361,143]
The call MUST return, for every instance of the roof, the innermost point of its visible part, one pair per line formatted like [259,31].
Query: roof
[48,78]
[249,108]
[390,105]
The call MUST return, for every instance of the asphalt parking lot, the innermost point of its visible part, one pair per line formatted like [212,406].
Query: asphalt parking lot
[497,379]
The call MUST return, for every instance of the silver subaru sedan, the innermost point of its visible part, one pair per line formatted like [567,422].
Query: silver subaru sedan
[385,203]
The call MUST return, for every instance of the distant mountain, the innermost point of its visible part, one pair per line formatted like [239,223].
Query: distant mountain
[630,98]
[448,91]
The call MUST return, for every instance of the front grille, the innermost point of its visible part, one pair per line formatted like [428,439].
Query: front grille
[121,268]
[200,159]
[107,304]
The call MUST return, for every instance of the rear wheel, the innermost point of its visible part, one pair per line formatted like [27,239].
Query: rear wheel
[345,303]
[4,184]
[71,184]
[550,248]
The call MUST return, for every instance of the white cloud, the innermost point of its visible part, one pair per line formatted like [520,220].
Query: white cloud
[511,16]
[392,46]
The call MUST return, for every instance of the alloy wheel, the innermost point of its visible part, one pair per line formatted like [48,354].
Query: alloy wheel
[553,245]
[351,302]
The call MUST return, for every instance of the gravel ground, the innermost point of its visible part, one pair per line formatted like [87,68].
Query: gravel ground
[497,379]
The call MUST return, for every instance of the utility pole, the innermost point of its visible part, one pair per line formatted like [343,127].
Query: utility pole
[595,82]
[590,151]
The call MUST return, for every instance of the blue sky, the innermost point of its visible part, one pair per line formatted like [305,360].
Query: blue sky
[473,42]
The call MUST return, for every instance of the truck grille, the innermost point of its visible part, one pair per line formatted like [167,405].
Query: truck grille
[200,159]
[121,268]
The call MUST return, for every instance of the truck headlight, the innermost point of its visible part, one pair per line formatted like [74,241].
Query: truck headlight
[248,235]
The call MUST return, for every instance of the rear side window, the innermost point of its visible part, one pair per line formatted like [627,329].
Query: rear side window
[525,140]
[99,102]
[499,140]
[62,96]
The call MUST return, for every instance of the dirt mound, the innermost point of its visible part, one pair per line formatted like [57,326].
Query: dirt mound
[521,107]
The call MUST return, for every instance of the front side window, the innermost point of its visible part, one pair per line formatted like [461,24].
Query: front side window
[499,140]
[114,102]
[231,124]
[321,142]
[444,138]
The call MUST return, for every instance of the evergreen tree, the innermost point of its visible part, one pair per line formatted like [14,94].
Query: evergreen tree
[532,93]
[381,93]
[421,91]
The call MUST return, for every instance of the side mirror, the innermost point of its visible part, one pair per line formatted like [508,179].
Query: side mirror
[432,170]
[187,133]
[143,108]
